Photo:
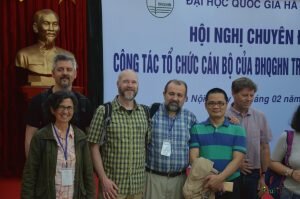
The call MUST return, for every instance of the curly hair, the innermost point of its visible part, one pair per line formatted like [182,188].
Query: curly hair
[53,102]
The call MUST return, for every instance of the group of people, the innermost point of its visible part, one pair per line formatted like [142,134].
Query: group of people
[146,155]
[145,151]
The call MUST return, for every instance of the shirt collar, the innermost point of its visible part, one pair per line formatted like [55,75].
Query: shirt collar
[71,131]
[120,107]
[226,122]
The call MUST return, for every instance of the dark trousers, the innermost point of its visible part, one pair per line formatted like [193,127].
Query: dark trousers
[235,194]
[286,194]
[249,184]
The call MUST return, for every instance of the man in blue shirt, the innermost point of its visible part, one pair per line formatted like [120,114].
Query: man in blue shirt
[167,154]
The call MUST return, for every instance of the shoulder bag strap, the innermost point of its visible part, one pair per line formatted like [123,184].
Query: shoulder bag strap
[289,141]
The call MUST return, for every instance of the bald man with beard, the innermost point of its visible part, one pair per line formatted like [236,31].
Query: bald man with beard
[120,164]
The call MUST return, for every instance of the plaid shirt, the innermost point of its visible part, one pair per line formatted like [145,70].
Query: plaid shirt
[64,192]
[175,130]
[123,154]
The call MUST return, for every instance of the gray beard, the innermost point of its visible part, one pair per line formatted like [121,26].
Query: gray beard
[130,98]
[64,85]
[173,108]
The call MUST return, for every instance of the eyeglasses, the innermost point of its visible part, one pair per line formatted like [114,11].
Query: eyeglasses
[218,103]
[62,108]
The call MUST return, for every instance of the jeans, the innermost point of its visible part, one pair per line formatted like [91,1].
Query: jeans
[286,194]
[249,185]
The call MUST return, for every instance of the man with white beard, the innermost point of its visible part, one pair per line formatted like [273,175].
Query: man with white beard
[168,151]
[120,162]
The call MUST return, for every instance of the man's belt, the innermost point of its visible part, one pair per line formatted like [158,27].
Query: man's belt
[167,174]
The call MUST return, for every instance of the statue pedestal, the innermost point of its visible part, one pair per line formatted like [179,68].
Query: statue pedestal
[37,80]
[30,91]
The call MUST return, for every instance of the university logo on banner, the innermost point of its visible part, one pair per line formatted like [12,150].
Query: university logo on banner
[160,8]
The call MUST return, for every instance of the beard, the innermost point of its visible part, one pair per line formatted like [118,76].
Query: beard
[65,81]
[128,94]
[48,40]
[173,107]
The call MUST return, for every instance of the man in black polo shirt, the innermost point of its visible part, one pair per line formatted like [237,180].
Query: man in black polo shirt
[64,72]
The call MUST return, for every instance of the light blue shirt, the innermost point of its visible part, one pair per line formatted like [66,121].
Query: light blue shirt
[176,131]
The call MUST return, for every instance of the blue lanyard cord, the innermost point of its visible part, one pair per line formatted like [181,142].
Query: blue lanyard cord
[171,122]
[65,150]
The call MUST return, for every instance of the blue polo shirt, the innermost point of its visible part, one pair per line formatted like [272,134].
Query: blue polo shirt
[218,143]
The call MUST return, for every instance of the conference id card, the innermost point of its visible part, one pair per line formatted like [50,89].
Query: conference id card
[67,176]
[166,148]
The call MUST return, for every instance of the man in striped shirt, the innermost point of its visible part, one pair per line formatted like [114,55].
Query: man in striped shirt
[221,142]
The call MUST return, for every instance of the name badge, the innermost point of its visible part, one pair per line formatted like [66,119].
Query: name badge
[166,148]
[67,176]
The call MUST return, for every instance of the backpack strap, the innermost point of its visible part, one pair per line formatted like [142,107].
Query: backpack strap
[105,122]
[146,110]
[147,113]
[107,118]
[150,111]
[154,107]
[289,142]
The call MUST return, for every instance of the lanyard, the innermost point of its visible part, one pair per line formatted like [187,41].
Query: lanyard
[171,122]
[65,150]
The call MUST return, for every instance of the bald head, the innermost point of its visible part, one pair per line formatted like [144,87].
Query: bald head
[127,85]
[128,73]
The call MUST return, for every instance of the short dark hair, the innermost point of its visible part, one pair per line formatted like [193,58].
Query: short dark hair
[296,120]
[54,100]
[241,83]
[64,57]
[177,82]
[216,90]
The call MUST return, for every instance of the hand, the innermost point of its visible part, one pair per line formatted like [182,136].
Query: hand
[109,189]
[234,120]
[246,167]
[262,186]
[262,191]
[214,183]
[296,175]
[262,182]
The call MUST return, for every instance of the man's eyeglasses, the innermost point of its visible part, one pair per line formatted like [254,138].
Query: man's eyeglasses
[218,103]
[63,108]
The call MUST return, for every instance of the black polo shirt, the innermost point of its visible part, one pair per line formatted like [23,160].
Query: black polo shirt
[36,116]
